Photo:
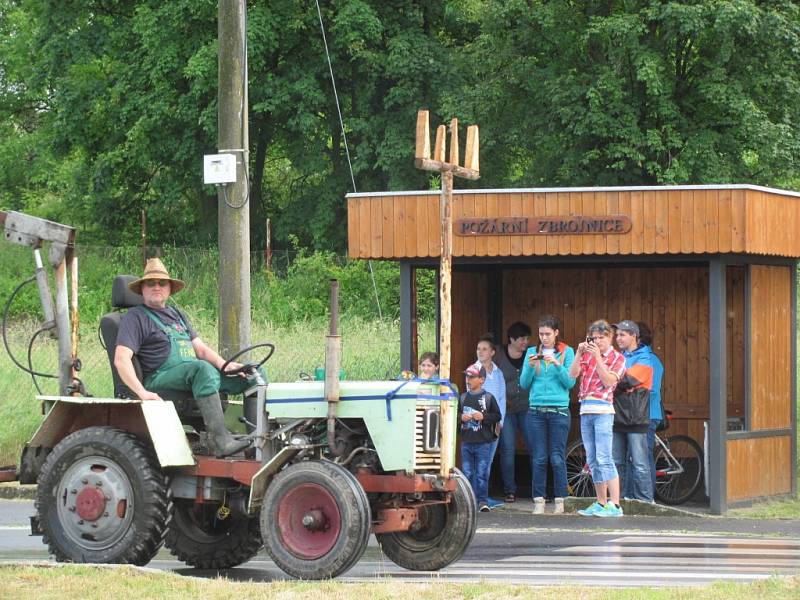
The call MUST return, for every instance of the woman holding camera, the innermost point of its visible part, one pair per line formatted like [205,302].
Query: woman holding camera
[600,368]
[545,372]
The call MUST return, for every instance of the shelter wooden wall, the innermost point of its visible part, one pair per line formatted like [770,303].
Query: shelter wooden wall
[771,379]
[762,466]
[673,300]
[470,319]
[759,467]
[665,221]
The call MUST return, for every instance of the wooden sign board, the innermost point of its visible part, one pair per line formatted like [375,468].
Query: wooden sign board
[546,225]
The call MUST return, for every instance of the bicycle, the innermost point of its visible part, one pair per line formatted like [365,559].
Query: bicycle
[679,469]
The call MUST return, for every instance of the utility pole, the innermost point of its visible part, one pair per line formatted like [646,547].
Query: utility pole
[447,169]
[234,214]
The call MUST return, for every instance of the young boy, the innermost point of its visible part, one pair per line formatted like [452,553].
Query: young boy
[478,413]
[428,366]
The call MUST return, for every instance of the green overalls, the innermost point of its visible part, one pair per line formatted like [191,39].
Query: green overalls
[184,371]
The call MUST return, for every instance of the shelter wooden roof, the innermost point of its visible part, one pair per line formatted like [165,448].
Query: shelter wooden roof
[691,219]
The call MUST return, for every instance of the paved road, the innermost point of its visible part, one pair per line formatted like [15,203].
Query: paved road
[513,547]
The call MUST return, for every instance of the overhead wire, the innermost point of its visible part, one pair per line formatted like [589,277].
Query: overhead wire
[344,139]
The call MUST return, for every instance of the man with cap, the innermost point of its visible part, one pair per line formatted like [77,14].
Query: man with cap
[478,413]
[173,357]
[632,411]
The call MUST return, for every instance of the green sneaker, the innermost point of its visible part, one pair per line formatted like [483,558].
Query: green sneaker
[591,510]
[609,510]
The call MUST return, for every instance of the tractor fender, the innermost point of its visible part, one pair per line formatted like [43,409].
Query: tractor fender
[155,421]
[258,485]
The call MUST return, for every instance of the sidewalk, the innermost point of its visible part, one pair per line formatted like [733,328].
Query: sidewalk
[639,516]
[15,491]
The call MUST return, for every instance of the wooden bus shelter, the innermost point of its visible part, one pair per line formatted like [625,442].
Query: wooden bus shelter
[711,268]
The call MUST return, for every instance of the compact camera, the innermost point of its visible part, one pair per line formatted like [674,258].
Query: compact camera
[589,339]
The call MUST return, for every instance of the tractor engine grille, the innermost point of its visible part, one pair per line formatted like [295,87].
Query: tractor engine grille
[427,455]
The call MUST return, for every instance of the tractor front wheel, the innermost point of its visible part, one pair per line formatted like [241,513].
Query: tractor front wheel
[101,498]
[203,537]
[442,535]
[315,520]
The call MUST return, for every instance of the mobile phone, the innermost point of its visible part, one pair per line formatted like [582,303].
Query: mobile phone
[589,339]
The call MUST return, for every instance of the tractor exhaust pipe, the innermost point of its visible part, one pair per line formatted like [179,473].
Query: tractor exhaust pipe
[333,362]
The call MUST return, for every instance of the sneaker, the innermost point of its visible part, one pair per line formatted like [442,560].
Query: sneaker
[538,505]
[609,510]
[484,507]
[493,503]
[594,508]
[558,506]
[511,497]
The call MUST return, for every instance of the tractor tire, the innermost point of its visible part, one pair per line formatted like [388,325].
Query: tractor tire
[445,534]
[199,538]
[315,520]
[102,498]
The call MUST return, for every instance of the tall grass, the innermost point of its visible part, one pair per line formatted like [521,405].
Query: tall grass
[370,350]
[299,289]
[289,308]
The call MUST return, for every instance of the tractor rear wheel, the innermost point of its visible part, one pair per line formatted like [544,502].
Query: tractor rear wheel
[443,535]
[203,538]
[102,498]
[315,520]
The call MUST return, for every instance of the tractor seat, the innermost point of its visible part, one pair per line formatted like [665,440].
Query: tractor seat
[122,299]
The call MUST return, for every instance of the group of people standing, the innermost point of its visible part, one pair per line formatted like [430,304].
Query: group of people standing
[521,390]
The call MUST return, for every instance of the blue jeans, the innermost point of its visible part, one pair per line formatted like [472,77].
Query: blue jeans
[475,463]
[596,433]
[628,491]
[633,447]
[513,424]
[548,433]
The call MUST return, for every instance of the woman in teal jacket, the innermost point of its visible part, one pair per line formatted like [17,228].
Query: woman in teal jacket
[545,371]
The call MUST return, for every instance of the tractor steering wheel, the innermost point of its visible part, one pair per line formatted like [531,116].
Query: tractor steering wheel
[247,367]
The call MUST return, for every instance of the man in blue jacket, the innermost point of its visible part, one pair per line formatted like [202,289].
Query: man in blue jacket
[632,411]
[656,412]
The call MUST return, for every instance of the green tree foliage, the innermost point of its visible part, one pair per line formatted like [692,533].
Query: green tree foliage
[106,106]
[639,92]
[116,101]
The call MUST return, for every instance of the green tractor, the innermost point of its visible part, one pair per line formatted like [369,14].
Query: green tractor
[331,461]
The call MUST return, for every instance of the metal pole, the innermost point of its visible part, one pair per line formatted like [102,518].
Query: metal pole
[234,215]
[63,326]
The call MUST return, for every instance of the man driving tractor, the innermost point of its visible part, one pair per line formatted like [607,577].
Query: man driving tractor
[173,357]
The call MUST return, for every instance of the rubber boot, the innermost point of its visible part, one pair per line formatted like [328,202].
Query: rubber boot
[220,441]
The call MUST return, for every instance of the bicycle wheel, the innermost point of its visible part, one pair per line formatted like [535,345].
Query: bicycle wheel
[579,477]
[678,480]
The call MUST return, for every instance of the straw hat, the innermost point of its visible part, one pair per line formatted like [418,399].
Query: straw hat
[155,269]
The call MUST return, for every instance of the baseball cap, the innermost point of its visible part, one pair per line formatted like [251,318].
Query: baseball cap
[629,326]
[475,371]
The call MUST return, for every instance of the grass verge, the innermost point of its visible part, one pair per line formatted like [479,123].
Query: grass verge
[770,509]
[72,581]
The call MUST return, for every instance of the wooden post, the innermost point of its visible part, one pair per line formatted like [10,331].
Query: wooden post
[268,249]
[448,170]
[234,215]
[144,238]
[445,272]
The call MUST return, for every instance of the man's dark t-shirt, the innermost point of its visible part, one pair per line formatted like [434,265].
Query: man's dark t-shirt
[517,362]
[140,333]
